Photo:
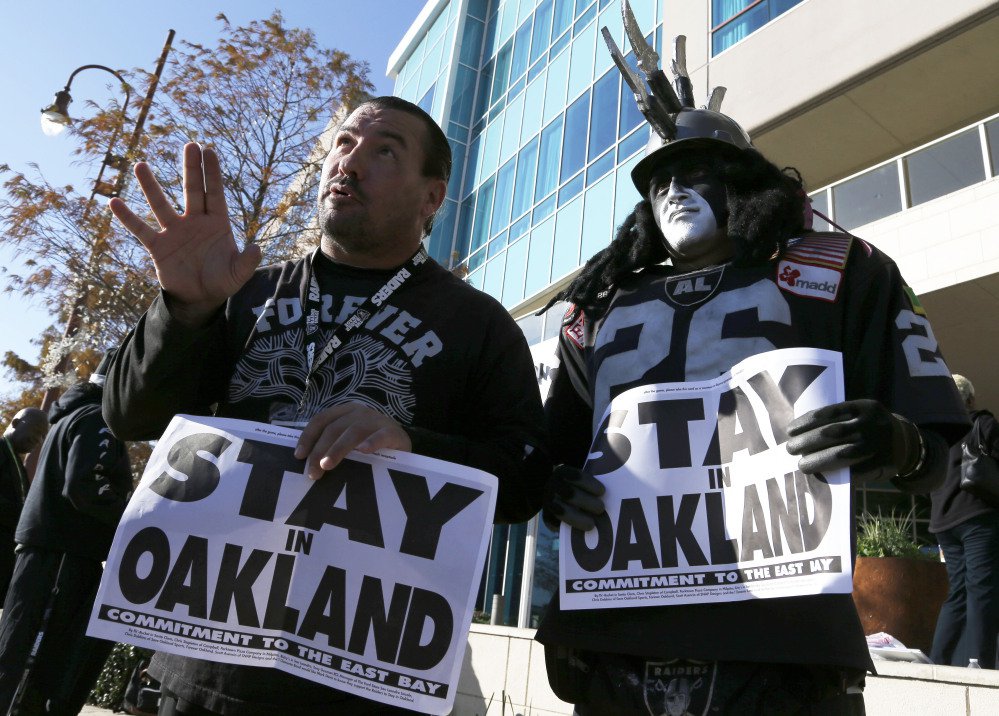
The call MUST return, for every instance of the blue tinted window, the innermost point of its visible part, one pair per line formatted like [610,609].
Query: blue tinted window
[567,233]
[585,18]
[427,103]
[458,150]
[542,23]
[722,10]
[600,167]
[597,227]
[730,26]
[504,195]
[543,209]
[502,76]
[443,232]
[632,144]
[574,147]
[539,259]
[820,203]
[489,41]
[464,95]
[471,43]
[474,154]
[482,208]
[631,116]
[493,283]
[551,139]
[992,132]
[526,170]
[603,118]
[868,197]
[520,227]
[464,227]
[562,17]
[516,264]
[496,245]
[945,167]
[521,46]
[573,187]
[485,80]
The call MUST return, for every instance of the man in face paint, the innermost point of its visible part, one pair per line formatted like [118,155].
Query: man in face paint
[688,203]
[715,265]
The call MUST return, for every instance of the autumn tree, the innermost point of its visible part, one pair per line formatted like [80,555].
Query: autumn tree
[262,95]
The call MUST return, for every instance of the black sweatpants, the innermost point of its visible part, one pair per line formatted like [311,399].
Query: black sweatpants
[68,661]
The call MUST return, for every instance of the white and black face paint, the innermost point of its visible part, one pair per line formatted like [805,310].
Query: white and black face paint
[689,204]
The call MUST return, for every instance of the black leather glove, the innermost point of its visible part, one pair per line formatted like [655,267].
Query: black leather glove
[572,496]
[859,434]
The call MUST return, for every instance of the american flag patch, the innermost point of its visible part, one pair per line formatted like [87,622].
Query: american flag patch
[828,250]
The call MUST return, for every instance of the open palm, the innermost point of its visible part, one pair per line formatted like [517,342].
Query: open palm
[197,260]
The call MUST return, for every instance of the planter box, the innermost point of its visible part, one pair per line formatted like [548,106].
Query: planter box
[900,596]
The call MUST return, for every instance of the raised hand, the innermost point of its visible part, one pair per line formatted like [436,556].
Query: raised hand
[331,434]
[198,263]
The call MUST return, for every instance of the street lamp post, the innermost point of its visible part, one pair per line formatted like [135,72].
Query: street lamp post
[54,119]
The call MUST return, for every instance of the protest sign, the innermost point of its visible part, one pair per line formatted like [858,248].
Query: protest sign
[228,552]
[704,503]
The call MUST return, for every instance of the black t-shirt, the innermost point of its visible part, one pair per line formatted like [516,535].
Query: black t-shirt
[827,292]
[443,359]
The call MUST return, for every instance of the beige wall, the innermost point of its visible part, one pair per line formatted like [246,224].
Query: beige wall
[833,86]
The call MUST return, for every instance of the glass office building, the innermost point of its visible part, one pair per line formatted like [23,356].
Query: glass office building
[544,134]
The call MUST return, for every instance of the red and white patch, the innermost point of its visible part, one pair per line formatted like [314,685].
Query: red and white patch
[810,281]
[572,327]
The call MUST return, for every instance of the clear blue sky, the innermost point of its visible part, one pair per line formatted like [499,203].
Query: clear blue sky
[41,43]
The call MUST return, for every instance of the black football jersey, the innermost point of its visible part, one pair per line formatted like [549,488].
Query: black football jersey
[826,291]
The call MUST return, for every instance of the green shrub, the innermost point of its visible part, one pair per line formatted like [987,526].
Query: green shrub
[110,686]
[887,536]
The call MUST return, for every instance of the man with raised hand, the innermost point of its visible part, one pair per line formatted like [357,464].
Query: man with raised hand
[367,344]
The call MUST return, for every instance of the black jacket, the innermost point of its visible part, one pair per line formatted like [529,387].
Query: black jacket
[443,359]
[82,482]
[11,488]
[951,505]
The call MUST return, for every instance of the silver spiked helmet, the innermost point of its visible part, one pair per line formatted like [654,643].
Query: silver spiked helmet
[670,110]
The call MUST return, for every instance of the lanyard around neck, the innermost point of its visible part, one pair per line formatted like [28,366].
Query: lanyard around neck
[315,356]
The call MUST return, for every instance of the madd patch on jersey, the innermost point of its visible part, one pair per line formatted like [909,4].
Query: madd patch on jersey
[692,288]
[811,281]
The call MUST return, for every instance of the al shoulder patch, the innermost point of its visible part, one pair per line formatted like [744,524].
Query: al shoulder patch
[572,325]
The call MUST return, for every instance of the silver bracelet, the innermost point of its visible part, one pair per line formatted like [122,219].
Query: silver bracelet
[922,452]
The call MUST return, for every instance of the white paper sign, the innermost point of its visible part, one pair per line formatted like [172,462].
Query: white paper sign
[364,580]
[704,503]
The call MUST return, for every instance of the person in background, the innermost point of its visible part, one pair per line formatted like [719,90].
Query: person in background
[25,433]
[78,495]
[968,532]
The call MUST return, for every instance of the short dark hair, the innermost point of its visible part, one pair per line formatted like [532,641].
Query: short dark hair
[436,149]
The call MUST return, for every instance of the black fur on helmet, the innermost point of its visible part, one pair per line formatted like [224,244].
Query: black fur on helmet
[765,207]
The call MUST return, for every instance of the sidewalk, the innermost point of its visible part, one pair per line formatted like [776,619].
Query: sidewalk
[89,710]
